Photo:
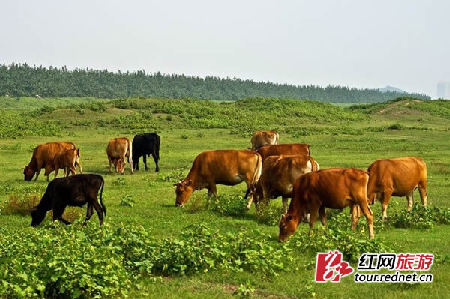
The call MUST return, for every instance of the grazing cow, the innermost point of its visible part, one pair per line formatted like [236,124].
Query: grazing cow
[398,177]
[334,188]
[67,161]
[76,190]
[227,167]
[145,145]
[279,175]
[284,149]
[117,150]
[44,157]
[261,138]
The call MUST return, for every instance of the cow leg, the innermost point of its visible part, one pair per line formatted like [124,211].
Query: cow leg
[136,163]
[58,212]
[56,172]
[144,160]
[384,204]
[410,199]
[110,164]
[156,162]
[37,174]
[314,211]
[423,192]
[356,212]
[285,204]
[48,170]
[323,216]
[250,189]
[79,167]
[369,216]
[89,212]
[98,209]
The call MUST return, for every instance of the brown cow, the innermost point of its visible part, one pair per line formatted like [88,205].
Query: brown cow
[284,149]
[279,175]
[398,177]
[117,150]
[227,167]
[261,138]
[334,188]
[44,157]
[67,160]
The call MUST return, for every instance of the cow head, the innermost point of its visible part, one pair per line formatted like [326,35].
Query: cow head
[258,194]
[183,191]
[28,173]
[119,164]
[37,215]
[288,226]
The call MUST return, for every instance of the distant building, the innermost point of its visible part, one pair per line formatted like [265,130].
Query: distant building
[443,90]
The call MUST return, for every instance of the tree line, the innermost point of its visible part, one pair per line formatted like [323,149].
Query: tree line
[21,80]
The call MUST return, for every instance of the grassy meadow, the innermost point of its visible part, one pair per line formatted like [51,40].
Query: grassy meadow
[339,137]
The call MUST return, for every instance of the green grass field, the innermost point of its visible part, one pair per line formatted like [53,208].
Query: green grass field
[339,137]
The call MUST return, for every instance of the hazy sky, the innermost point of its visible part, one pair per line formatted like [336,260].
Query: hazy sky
[357,43]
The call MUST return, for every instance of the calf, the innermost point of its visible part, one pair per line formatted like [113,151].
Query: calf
[67,161]
[335,188]
[76,190]
[117,150]
[261,138]
[398,177]
[227,167]
[145,145]
[279,175]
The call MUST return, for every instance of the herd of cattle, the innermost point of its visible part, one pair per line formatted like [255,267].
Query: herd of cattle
[269,170]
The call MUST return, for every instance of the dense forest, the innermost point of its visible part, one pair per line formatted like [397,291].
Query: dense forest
[24,80]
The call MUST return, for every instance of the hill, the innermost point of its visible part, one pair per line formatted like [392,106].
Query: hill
[22,80]
[402,107]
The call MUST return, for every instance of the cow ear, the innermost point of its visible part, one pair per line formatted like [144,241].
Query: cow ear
[283,217]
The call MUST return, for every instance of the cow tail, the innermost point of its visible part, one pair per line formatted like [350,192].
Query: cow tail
[258,170]
[313,164]
[130,153]
[101,197]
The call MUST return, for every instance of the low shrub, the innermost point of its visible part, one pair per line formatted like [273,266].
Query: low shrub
[228,205]
[20,205]
[268,214]
[92,261]
[338,236]
[420,217]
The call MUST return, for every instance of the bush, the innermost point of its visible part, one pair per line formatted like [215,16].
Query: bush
[395,127]
[20,205]
[268,214]
[420,217]
[228,205]
[339,236]
[93,261]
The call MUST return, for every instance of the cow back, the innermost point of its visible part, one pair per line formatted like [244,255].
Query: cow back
[284,149]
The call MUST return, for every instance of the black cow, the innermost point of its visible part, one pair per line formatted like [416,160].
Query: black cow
[145,145]
[76,190]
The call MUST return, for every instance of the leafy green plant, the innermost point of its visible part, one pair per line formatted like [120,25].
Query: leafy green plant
[244,290]
[339,236]
[127,201]
[268,214]
[95,261]
[420,217]
[228,205]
